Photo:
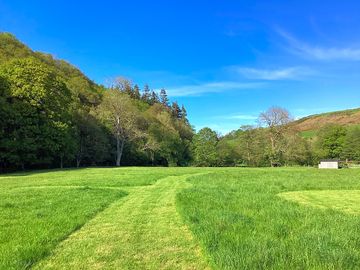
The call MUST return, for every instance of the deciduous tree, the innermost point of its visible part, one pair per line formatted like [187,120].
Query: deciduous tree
[121,117]
[204,148]
[276,120]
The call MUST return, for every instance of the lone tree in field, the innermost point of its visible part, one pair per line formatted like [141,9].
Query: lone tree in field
[120,115]
[276,120]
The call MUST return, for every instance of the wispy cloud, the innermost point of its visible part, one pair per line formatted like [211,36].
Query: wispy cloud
[211,87]
[272,74]
[240,117]
[320,53]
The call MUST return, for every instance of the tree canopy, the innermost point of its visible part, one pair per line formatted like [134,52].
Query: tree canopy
[54,116]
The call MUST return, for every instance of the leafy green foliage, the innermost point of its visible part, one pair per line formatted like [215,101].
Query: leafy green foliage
[330,141]
[37,127]
[204,148]
[351,147]
[54,116]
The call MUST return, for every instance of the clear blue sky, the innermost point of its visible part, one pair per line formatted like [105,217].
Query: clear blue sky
[225,60]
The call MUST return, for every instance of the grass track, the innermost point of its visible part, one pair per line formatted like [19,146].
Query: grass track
[34,220]
[236,215]
[347,201]
[141,231]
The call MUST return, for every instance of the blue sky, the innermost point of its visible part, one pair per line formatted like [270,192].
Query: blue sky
[225,60]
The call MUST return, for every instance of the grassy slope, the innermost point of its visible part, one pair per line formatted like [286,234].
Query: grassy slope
[310,124]
[243,224]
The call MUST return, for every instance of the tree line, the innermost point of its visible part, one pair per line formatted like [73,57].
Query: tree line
[48,121]
[53,116]
[275,141]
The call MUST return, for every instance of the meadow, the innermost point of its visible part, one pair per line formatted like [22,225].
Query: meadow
[180,218]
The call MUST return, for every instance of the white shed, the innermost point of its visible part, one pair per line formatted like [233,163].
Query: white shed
[329,164]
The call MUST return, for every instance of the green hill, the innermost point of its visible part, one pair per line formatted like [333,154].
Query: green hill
[82,87]
[53,116]
[309,125]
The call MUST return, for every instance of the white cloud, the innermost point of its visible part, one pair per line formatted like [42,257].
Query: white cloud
[241,117]
[321,53]
[212,87]
[272,74]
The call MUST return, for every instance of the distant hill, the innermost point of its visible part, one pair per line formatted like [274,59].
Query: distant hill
[310,124]
[87,91]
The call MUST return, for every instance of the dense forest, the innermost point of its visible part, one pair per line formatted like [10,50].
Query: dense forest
[52,115]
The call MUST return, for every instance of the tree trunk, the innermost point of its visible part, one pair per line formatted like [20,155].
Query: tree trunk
[61,163]
[79,154]
[272,151]
[119,150]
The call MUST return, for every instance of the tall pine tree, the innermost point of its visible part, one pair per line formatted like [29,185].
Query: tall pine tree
[146,96]
[136,92]
[164,98]
[184,114]
[175,110]
[153,98]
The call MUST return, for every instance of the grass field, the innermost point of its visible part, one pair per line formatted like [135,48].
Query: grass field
[180,218]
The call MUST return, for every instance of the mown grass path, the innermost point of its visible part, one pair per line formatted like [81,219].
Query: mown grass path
[347,201]
[141,231]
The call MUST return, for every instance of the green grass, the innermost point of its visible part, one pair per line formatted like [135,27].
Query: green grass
[33,220]
[43,215]
[347,201]
[180,218]
[308,134]
[142,231]
[242,223]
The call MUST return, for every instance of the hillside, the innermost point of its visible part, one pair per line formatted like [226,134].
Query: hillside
[54,116]
[309,124]
[82,87]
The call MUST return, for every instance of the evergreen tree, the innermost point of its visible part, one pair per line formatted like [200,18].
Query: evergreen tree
[175,110]
[184,114]
[164,98]
[153,98]
[146,96]
[136,92]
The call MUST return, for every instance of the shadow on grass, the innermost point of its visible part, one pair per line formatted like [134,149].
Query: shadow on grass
[40,171]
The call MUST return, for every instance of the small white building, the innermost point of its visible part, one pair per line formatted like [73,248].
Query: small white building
[329,164]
